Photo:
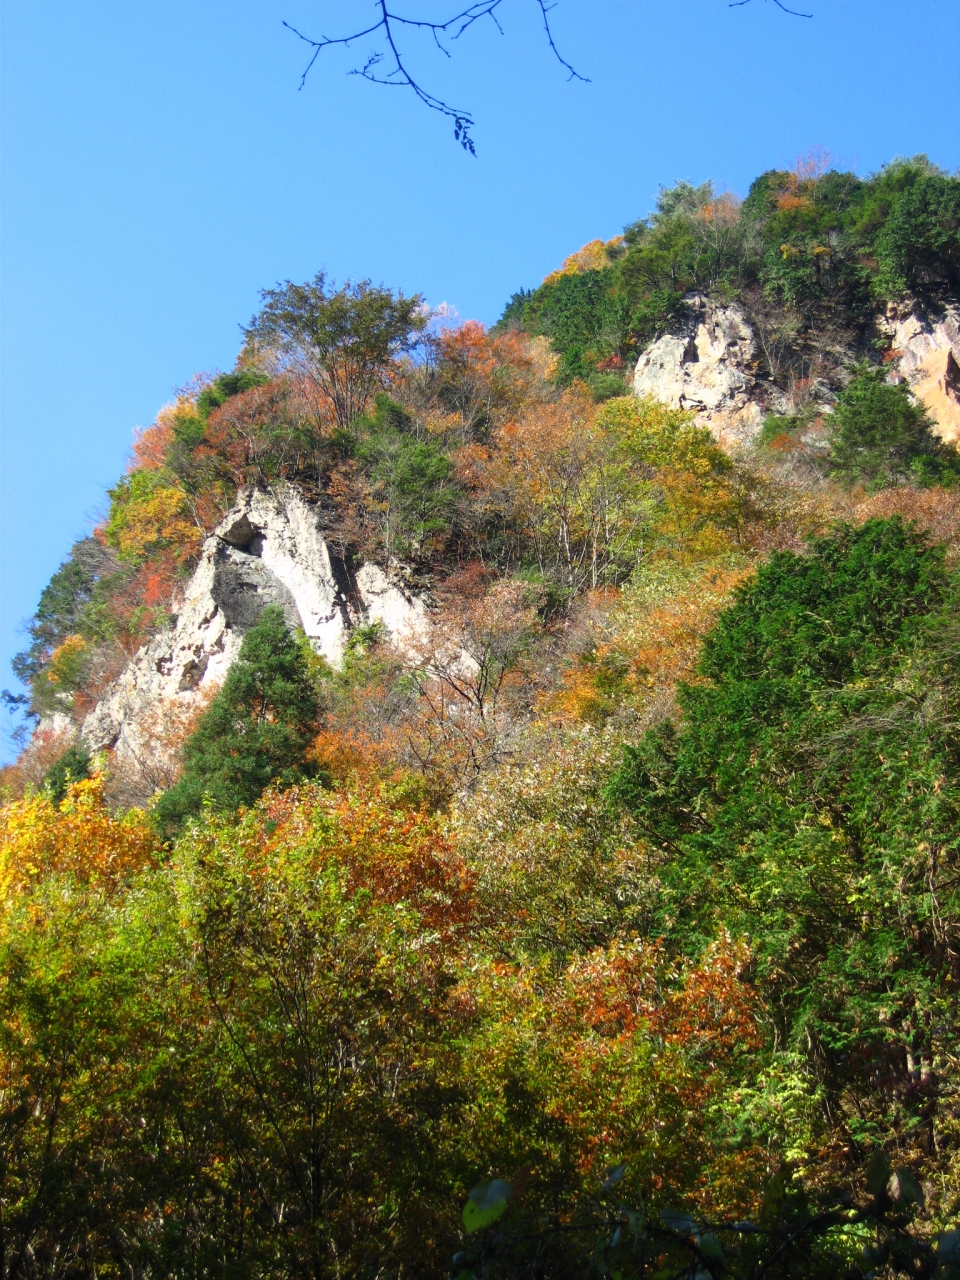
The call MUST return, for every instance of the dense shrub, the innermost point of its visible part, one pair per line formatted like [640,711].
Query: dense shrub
[880,435]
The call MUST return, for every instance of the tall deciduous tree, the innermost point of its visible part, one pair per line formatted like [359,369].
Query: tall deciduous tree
[343,341]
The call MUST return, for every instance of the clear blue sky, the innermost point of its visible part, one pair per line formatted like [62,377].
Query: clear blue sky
[160,166]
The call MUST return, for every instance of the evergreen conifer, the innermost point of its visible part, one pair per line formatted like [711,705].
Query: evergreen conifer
[73,766]
[880,435]
[257,731]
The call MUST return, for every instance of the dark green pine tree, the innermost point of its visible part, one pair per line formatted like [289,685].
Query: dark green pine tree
[808,800]
[73,766]
[879,435]
[256,732]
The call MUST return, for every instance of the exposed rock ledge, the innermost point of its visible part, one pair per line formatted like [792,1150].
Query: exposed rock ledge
[708,364]
[927,345]
[267,550]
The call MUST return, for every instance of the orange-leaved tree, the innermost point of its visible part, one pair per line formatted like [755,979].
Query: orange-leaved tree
[79,838]
[479,380]
[641,648]
[556,490]
[625,1057]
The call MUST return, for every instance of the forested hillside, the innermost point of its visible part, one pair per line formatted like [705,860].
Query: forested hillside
[606,921]
[812,254]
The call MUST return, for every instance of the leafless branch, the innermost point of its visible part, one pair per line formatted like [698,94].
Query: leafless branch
[738,4]
[398,75]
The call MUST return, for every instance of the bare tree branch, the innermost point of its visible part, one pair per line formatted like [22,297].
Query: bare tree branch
[398,75]
[738,4]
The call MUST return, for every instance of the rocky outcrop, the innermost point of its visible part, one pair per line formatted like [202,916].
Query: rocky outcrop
[269,549]
[926,347]
[709,364]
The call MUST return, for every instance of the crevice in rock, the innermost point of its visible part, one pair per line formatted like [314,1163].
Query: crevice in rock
[349,601]
[244,536]
[951,377]
[193,673]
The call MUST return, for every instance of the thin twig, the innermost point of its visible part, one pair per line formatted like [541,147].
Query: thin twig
[738,4]
[399,77]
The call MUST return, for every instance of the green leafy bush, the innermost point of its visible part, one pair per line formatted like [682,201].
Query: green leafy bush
[73,766]
[918,246]
[411,479]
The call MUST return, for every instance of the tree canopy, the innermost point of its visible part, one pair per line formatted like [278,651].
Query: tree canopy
[606,921]
[345,339]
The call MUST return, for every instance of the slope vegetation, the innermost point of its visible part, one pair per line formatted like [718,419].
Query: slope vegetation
[608,922]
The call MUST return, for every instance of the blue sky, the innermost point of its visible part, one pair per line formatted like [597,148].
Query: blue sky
[160,166]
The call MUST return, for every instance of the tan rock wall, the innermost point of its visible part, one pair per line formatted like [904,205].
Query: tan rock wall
[926,351]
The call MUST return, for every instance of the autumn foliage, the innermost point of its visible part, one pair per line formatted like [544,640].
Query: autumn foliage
[79,838]
[616,898]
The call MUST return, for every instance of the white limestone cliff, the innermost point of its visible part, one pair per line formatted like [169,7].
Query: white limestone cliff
[708,364]
[926,347]
[268,549]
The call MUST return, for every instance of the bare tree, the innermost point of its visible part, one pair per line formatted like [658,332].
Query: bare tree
[738,4]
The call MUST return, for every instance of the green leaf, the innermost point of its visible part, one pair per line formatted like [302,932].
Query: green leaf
[682,1223]
[486,1204]
[614,1176]
[774,1197]
[711,1248]
[948,1256]
[878,1172]
[903,1188]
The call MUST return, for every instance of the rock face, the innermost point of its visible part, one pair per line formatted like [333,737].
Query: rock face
[269,549]
[708,364]
[928,349]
